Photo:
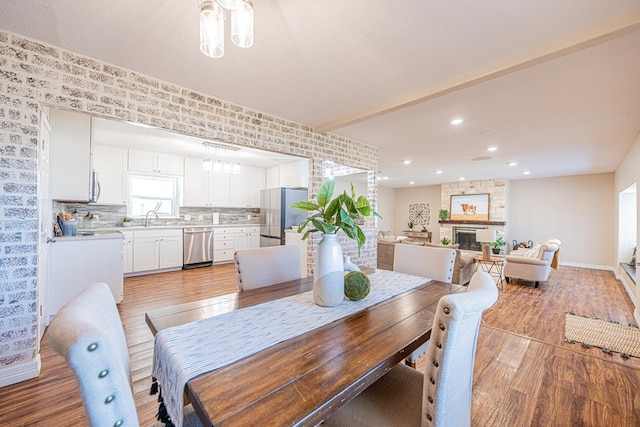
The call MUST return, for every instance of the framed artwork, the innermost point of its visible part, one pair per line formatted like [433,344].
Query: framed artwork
[470,207]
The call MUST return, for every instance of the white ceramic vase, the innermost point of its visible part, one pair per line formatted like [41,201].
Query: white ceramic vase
[328,272]
[349,266]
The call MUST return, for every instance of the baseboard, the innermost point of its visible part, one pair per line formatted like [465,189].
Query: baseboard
[590,266]
[20,372]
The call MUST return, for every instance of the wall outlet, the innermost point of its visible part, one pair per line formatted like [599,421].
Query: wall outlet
[187,217]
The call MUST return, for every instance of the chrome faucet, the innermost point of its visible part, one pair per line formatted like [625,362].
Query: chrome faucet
[146,218]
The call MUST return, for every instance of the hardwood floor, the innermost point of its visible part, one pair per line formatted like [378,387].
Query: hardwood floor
[525,374]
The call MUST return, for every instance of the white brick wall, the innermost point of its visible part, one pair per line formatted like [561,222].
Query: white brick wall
[34,73]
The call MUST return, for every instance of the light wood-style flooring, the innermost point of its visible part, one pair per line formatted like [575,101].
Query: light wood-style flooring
[525,374]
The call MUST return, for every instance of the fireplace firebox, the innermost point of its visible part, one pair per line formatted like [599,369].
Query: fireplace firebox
[465,237]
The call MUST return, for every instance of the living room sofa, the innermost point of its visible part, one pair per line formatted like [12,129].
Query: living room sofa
[463,268]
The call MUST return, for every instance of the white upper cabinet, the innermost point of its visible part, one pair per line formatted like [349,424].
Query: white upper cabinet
[292,174]
[196,183]
[111,165]
[70,156]
[149,161]
[245,187]
[217,189]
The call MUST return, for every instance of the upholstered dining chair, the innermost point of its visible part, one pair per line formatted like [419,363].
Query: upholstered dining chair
[88,332]
[266,266]
[426,261]
[442,395]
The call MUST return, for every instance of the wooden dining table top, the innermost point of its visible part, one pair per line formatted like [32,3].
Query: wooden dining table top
[304,379]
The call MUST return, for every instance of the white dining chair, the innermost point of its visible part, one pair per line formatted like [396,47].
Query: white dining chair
[266,266]
[88,332]
[442,395]
[426,261]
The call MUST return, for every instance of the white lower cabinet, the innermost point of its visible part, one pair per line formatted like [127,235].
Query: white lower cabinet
[128,251]
[157,249]
[223,244]
[247,237]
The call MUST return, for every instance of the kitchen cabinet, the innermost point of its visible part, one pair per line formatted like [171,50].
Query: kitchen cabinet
[70,156]
[111,164]
[292,174]
[247,237]
[128,251]
[152,162]
[245,187]
[217,189]
[223,244]
[196,183]
[157,249]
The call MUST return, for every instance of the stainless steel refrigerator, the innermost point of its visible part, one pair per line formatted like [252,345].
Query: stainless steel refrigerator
[277,215]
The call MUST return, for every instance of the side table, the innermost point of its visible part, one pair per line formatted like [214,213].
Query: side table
[492,265]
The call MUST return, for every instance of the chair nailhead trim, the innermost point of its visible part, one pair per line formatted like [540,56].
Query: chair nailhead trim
[430,399]
[92,346]
[435,363]
[118,423]
[109,399]
[432,381]
[103,374]
[441,327]
[429,417]
[438,345]
[446,310]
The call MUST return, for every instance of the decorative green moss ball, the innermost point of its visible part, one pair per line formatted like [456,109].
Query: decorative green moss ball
[356,285]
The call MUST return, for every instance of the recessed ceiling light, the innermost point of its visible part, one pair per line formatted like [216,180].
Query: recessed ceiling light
[385,177]
[513,163]
[457,121]
[439,172]
[461,178]
[407,162]
[492,149]
[411,182]
[526,172]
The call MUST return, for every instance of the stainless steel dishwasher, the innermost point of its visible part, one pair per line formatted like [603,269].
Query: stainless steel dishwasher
[198,247]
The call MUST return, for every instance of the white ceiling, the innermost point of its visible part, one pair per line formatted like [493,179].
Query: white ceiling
[555,85]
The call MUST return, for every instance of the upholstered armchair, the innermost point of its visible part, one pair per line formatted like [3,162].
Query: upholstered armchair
[534,265]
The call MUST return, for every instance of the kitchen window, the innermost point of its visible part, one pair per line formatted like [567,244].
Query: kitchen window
[152,192]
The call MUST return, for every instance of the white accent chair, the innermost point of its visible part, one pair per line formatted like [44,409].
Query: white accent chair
[433,263]
[400,398]
[533,265]
[88,332]
[259,267]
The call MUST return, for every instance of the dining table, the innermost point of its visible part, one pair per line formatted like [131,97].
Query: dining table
[302,379]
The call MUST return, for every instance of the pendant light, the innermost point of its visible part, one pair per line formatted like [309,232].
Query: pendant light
[242,24]
[211,29]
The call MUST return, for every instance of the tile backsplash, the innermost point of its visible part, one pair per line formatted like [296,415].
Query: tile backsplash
[109,216]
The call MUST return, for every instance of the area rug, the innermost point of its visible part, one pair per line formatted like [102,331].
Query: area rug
[611,337]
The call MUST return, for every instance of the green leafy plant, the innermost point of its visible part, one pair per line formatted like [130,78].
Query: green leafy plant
[127,219]
[410,225]
[443,214]
[344,212]
[445,241]
[498,243]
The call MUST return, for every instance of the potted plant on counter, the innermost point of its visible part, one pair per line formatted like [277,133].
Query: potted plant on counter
[344,212]
[127,221]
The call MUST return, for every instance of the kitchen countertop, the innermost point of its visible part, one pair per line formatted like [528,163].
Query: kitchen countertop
[164,227]
[91,235]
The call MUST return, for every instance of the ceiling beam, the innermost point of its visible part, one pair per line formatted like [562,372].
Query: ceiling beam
[581,40]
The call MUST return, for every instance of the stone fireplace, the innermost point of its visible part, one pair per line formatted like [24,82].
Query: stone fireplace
[463,232]
[465,236]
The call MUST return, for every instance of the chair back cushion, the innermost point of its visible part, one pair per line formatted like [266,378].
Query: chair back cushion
[88,332]
[450,357]
[260,267]
[425,261]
